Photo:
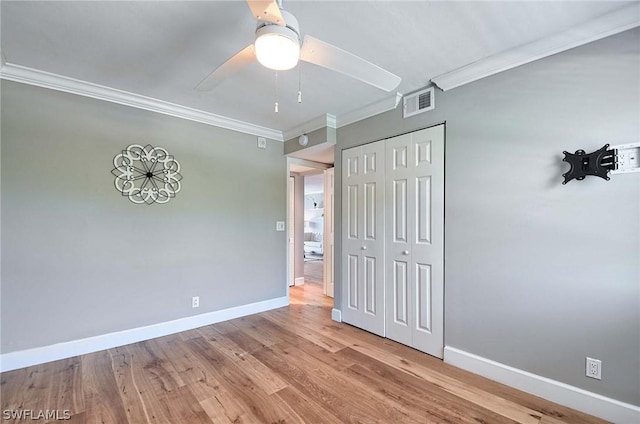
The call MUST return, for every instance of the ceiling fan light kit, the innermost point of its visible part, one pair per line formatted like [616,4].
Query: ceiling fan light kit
[278,47]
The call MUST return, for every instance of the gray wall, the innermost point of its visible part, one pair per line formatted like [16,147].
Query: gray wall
[80,260]
[538,275]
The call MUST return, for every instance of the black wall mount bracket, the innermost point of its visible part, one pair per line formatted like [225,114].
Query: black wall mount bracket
[597,163]
[618,159]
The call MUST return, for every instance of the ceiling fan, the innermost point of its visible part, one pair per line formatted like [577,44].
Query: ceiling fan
[278,46]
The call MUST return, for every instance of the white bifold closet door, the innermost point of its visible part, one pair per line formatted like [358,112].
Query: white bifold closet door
[414,235]
[363,237]
[393,238]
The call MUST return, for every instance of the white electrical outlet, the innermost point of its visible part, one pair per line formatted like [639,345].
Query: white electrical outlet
[279,225]
[262,143]
[195,302]
[594,368]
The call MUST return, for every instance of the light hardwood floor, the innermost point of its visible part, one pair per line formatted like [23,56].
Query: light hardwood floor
[290,365]
[313,272]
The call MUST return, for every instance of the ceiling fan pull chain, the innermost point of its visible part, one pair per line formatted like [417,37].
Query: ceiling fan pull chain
[276,104]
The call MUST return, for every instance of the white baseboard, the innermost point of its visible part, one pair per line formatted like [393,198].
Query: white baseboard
[336,315]
[299,281]
[24,358]
[555,391]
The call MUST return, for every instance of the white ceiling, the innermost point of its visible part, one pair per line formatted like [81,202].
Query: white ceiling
[163,49]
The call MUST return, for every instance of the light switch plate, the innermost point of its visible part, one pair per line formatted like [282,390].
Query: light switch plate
[279,225]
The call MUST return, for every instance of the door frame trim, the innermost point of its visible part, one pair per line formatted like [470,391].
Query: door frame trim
[319,168]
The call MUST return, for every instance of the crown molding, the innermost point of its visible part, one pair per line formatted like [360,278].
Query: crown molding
[331,121]
[606,25]
[30,76]
[384,105]
[26,75]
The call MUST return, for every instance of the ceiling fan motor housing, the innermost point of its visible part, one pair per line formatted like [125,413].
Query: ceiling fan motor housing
[291,23]
[277,29]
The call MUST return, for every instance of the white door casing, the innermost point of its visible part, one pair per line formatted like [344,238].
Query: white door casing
[291,232]
[363,237]
[328,244]
[415,239]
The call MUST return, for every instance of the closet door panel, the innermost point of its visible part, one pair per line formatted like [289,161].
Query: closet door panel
[363,237]
[427,250]
[399,287]
[414,246]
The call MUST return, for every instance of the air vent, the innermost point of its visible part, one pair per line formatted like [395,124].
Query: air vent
[418,102]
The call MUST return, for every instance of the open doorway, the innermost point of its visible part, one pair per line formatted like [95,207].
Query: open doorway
[310,247]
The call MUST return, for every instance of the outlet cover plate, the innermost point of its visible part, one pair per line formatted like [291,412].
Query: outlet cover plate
[594,368]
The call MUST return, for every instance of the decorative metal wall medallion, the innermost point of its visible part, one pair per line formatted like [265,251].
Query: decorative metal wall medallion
[146,174]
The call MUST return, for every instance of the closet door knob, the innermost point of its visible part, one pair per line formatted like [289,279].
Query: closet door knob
[405,252]
[364,247]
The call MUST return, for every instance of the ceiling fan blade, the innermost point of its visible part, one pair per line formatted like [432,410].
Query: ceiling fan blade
[235,64]
[331,57]
[266,10]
